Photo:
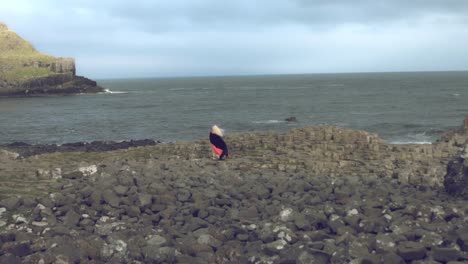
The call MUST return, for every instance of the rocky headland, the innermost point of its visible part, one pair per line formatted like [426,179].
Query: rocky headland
[311,195]
[26,72]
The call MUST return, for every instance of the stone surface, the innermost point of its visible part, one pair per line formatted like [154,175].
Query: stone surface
[312,195]
[411,251]
[445,254]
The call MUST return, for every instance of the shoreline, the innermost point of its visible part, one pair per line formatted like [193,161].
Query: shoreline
[310,195]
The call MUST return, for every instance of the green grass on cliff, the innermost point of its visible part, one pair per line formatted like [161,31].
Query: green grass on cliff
[17,58]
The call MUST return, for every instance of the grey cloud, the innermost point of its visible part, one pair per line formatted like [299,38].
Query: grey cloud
[161,15]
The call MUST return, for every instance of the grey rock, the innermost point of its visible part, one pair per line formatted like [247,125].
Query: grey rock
[196,223]
[301,222]
[183,195]
[410,251]
[313,256]
[206,239]
[392,258]
[110,198]
[442,254]
[216,211]
[133,211]
[463,240]
[384,243]
[245,237]
[144,200]
[156,241]
[7,237]
[10,259]
[456,179]
[22,249]
[274,247]
[71,219]
[29,202]
[73,175]
[249,213]
[11,203]
[158,255]
[120,190]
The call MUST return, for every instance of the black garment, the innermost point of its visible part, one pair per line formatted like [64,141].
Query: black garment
[218,142]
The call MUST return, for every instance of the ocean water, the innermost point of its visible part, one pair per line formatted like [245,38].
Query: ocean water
[400,107]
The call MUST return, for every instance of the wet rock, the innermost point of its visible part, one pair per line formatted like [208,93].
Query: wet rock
[301,222]
[249,213]
[115,249]
[144,200]
[384,243]
[7,237]
[2,211]
[71,218]
[133,211]
[410,251]
[456,179]
[10,259]
[392,258]
[110,198]
[206,239]
[443,254]
[120,190]
[159,255]
[21,249]
[286,215]
[313,256]
[156,241]
[19,219]
[274,247]
[462,240]
[183,195]
[291,119]
[11,203]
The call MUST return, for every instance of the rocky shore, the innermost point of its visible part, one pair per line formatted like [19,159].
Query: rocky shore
[312,195]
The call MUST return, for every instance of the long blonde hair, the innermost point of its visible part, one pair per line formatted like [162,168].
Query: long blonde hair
[217,131]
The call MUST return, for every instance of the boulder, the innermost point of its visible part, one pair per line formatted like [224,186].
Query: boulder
[456,179]
[11,203]
[410,251]
[445,254]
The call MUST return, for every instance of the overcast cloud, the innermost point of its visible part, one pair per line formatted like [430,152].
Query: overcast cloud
[147,38]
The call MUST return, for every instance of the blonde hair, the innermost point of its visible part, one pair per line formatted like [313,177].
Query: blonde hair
[217,131]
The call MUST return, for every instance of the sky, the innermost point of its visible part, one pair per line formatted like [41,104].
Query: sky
[152,38]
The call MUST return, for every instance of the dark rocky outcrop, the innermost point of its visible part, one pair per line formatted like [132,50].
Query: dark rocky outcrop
[27,72]
[27,150]
[456,179]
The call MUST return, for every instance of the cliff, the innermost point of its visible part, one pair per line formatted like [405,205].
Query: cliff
[25,71]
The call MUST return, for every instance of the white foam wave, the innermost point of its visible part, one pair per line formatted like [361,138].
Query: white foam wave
[108,91]
[419,138]
[402,142]
[273,121]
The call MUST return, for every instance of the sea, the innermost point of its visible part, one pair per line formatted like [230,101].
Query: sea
[408,107]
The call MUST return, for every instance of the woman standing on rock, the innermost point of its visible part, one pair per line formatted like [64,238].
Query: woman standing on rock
[218,145]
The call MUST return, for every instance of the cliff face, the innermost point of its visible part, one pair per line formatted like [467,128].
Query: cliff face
[24,71]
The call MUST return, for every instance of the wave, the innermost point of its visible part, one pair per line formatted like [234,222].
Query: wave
[108,91]
[273,121]
[417,138]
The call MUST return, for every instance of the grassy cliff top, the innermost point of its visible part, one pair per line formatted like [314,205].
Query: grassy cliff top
[19,58]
